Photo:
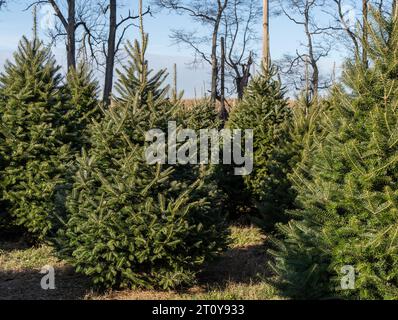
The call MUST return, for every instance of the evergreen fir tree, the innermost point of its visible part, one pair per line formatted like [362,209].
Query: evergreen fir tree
[33,156]
[265,110]
[131,76]
[82,107]
[348,197]
[4,216]
[132,224]
[306,131]
[202,115]
[5,219]
[198,116]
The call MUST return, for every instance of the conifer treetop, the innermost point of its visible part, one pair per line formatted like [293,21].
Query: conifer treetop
[135,77]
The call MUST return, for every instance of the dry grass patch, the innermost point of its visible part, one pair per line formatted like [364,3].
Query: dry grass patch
[19,258]
[246,236]
[256,290]
[240,273]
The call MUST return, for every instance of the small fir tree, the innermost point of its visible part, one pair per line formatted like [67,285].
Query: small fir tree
[202,115]
[133,224]
[33,155]
[265,110]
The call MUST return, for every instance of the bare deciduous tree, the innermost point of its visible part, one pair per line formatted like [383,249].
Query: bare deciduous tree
[113,42]
[101,35]
[349,23]
[208,13]
[68,24]
[341,12]
[344,14]
[223,109]
[302,68]
[239,21]
[234,20]
[266,42]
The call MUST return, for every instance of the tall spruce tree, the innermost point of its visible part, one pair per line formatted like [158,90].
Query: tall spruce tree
[33,155]
[348,196]
[133,224]
[265,110]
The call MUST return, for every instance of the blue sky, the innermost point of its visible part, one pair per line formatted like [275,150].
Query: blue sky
[285,38]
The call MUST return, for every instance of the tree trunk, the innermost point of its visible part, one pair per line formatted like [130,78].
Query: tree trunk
[365,32]
[223,110]
[243,80]
[350,33]
[214,60]
[266,44]
[307,86]
[314,82]
[110,58]
[214,66]
[71,41]
[34,29]
[175,92]
[239,87]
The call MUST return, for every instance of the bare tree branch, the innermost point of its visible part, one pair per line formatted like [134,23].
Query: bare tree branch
[302,70]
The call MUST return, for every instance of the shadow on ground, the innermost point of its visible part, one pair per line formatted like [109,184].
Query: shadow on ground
[243,265]
[239,273]
[238,265]
[25,285]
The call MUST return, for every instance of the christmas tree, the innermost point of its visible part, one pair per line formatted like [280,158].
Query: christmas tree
[33,156]
[344,240]
[131,223]
[4,216]
[265,110]
[202,115]
[82,106]
[135,75]
[306,132]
